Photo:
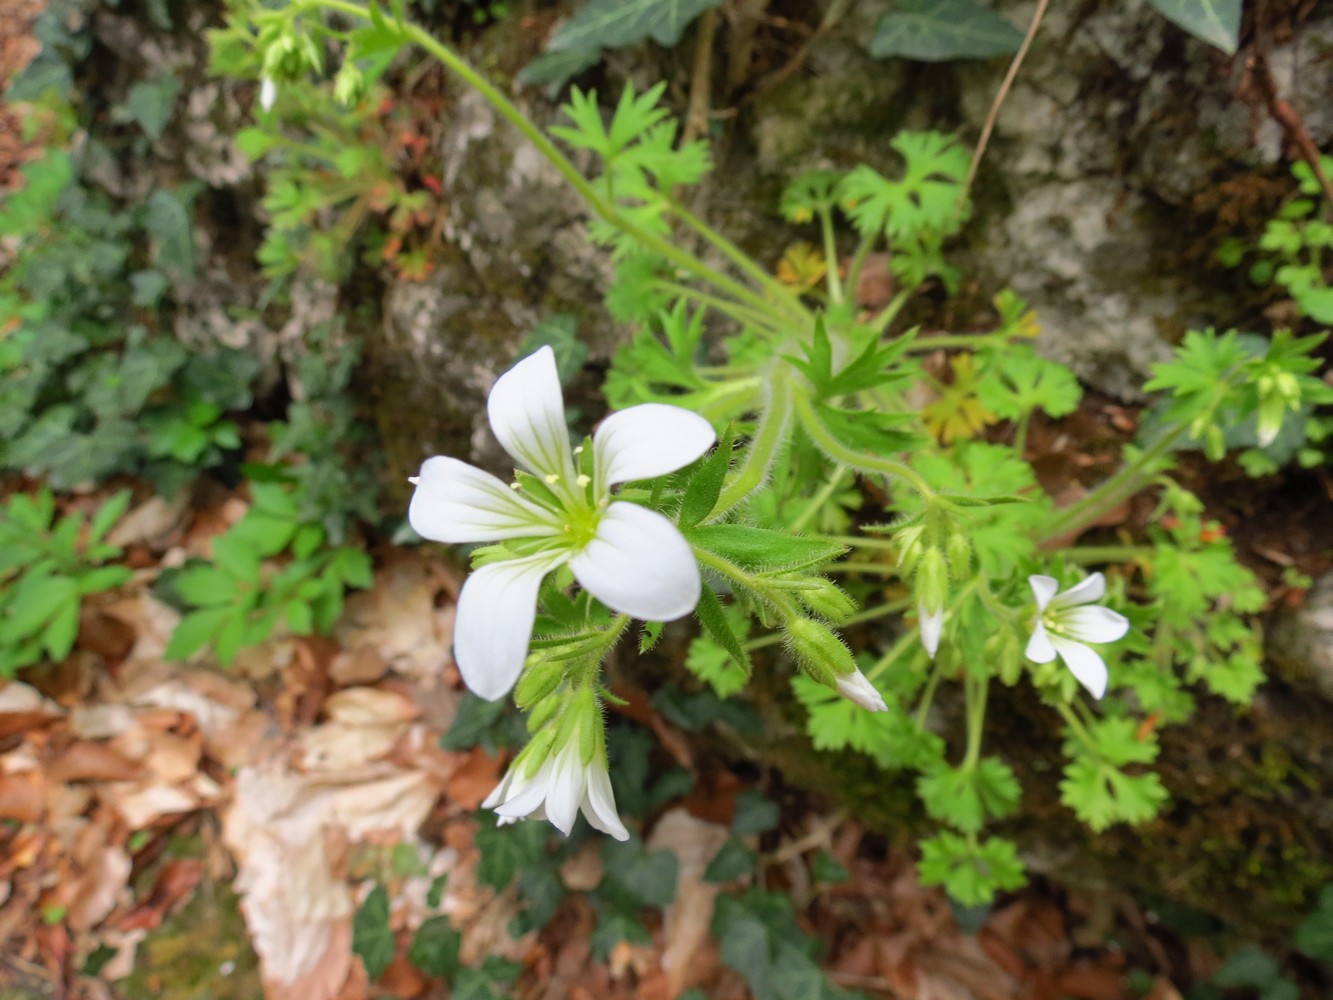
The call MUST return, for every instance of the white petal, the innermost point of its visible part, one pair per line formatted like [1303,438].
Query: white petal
[527,412]
[564,795]
[1093,588]
[496,610]
[639,564]
[1084,663]
[931,624]
[526,801]
[455,502]
[599,804]
[1043,589]
[1039,648]
[647,441]
[856,687]
[501,791]
[1094,624]
[268,93]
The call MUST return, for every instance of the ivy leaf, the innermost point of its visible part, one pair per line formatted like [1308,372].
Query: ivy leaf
[508,850]
[1314,937]
[434,949]
[939,30]
[555,68]
[614,24]
[149,104]
[733,861]
[372,938]
[1216,22]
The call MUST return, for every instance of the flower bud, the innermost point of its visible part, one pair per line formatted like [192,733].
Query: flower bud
[910,548]
[349,86]
[539,679]
[828,600]
[819,653]
[1003,654]
[960,556]
[856,687]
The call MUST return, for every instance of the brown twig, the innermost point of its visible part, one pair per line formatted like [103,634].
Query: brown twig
[996,104]
[1293,126]
[701,81]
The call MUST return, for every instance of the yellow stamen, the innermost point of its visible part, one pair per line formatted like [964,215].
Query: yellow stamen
[552,479]
[583,481]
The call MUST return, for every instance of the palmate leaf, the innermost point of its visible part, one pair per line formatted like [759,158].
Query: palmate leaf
[615,23]
[939,30]
[1216,22]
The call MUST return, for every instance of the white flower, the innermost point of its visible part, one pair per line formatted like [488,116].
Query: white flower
[633,560]
[856,687]
[268,93]
[559,788]
[1064,624]
[931,624]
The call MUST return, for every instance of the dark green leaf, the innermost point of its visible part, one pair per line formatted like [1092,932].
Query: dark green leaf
[637,876]
[555,68]
[613,24]
[372,938]
[939,30]
[434,948]
[710,612]
[170,224]
[1216,22]
[754,814]
[733,861]
[507,850]
[826,868]
[150,102]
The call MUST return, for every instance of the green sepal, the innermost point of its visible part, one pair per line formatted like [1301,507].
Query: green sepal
[705,485]
[710,613]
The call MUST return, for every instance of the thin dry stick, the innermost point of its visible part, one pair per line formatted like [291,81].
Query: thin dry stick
[1000,95]
[701,83]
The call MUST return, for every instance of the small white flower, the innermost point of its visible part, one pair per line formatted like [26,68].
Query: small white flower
[268,93]
[931,624]
[856,687]
[1065,623]
[633,560]
[559,788]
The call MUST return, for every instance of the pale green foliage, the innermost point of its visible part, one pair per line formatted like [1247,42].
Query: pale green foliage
[239,598]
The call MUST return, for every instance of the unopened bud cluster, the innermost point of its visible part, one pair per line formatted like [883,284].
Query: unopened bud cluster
[934,550]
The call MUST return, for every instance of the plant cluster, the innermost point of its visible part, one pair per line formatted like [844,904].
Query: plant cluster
[767,538]
[48,565]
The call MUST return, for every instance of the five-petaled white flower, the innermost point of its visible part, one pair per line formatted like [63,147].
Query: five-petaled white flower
[633,560]
[1065,623]
[557,790]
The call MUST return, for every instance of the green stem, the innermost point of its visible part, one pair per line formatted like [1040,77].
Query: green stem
[819,499]
[887,315]
[1077,728]
[952,340]
[975,690]
[864,461]
[1121,486]
[768,438]
[858,261]
[1108,553]
[863,542]
[928,696]
[599,205]
[1021,438]
[874,568]
[831,255]
[747,580]
[743,315]
[867,615]
[742,260]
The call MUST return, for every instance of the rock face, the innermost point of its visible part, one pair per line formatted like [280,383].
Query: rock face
[1302,641]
